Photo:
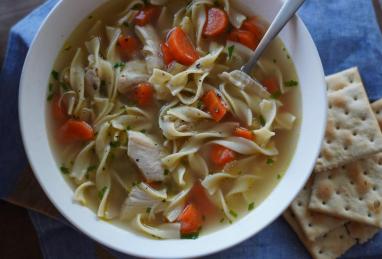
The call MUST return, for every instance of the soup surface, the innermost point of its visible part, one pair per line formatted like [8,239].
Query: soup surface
[154,126]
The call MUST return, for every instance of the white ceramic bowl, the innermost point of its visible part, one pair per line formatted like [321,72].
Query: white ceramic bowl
[32,104]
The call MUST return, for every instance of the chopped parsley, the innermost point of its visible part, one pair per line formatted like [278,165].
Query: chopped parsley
[276,95]
[114,144]
[126,24]
[120,64]
[67,48]
[90,17]
[190,236]
[233,213]
[230,51]
[221,220]
[50,97]
[91,168]
[64,170]
[262,121]
[199,105]
[291,83]
[103,83]
[270,161]
[55,75]
[251,206]
[166,172]
[64,86]
[279,176]
[128,128]
[143,131]
[101,193]
[148,210]
[136,7]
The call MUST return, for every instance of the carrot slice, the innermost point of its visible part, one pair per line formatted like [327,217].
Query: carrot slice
[148,14]
[76,130]
[252,25]
[128,46]
[221,155]
[217,22]
[244,37]
[199,197]
[181,47]
[166,53]
[214,105]
[57,110]
[143,94]
[271,84]
[190,219]
[243,133]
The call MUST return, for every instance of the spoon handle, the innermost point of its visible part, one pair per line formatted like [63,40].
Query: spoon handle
[287,11]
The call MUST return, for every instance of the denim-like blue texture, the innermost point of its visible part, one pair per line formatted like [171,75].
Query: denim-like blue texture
[346,34]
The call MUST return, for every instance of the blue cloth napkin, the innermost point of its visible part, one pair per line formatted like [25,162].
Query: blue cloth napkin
[346,34]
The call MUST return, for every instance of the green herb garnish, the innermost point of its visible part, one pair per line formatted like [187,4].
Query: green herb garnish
[67,48]
[291,83]
[114,144]
[126,24]
[166,172]
[262,121]
[148,210]
[101,193]
[64,170]
[276,95]
[50,97]
[279,176]
[270,161]
[136,7]
[120,64]
[55,75]
[91,168]
[233,213]
[221,220]
[230,51]
[251,206]
[143,131]
[64,86]
[190,236]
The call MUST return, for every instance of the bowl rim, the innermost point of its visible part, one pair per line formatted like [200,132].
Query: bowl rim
[142,252]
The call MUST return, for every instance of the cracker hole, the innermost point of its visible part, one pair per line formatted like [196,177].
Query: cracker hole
[374,188]
[320,252]
[338,127]
[338,192]
[377,112]
[355,133]
[310,225]
[364,118]
[346,147]
[343,167]
[351,182]
[328,142]
[355,98]
[346,112]
[360,198]
[369,215]
[299,204]
[324,236]
[341,237]
[371,139]
[365,173]
[330,177]
[323,203]
[347,208]
[330,106]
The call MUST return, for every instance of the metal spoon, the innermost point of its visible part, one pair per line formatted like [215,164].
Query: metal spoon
[286,13]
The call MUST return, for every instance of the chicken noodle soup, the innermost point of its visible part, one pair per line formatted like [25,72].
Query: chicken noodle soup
[155,127]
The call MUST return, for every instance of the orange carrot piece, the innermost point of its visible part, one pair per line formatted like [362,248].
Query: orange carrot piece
[190,219]
[244,37]
[243,133]
[148,14]
[199,197]
[128,46]
[57,110]
[220,155]
[214,105]
[75,130]
[181,47]
[271,84]
[166,53]
[252,25]
[217,22]
[143,94]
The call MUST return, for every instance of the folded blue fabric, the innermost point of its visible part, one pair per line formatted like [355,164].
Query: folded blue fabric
[346,34]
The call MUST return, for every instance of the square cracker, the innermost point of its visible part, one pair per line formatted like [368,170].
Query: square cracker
[377,108]
[361,232]
[313,224]
[352,130]
[353,191]
[331,245]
